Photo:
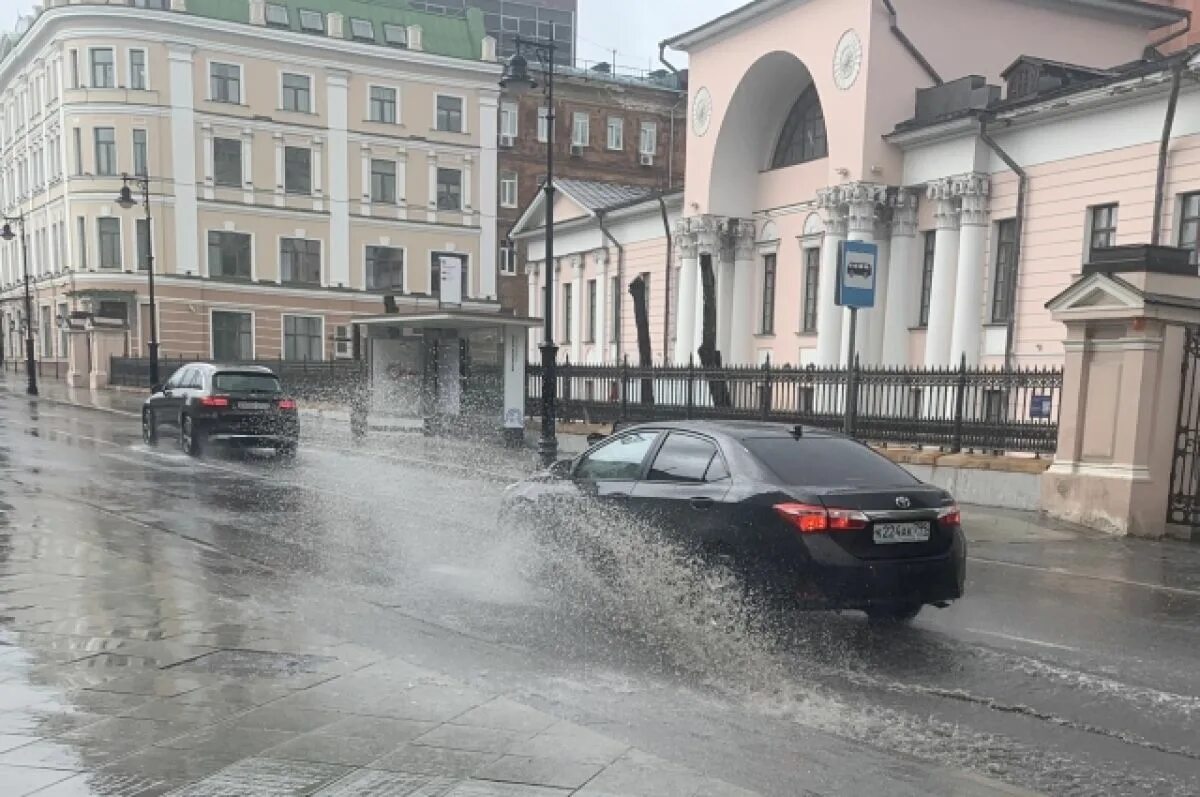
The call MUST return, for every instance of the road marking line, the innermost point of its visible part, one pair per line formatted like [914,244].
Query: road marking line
[1027,640]
[1059,571]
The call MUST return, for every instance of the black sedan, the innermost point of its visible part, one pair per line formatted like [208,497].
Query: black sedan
[235,405]
[804,514]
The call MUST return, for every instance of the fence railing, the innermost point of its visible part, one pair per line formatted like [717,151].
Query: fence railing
[956,409]
[314,380]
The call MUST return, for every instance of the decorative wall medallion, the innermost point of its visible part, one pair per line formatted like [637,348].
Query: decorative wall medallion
[701,111]
[847,60]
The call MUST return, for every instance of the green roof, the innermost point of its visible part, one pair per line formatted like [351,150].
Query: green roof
[454,36]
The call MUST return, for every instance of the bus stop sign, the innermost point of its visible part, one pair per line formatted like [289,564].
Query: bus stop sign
[857,262]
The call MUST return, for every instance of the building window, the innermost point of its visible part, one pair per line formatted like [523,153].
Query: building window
[1006,271]
[302,338]
[362,30]
[385,269]
[81,234]
[63,337]
[616,133]
[300,260]
[803,136]
[106,151]
[768,295]
[543,132]
[77,135]
[137,69]
[592,320]
[104,73]
[508,189]
[142,229]
[383,181]
[227,162]
[383,104]
[277,15]
[312,21]
[140,157]
[1103,228]
[581,129]
[929,242]
[449,189]
[229,254]
[225,82]
[449,114]
[508,121]
[157,5]
[567,310]
[395,35]
[297,92]
[232,336]
[297,170]
[47,314]
[648,139]
[812,284]
[109,230]
[343,344]
[74,67]
[508,259]
[1189,225]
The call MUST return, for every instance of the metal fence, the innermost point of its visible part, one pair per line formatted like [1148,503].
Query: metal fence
[314,380]
[956,409]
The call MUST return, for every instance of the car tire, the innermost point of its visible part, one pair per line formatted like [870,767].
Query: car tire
[149,428]
[286,452]
[893,613]
[189,437]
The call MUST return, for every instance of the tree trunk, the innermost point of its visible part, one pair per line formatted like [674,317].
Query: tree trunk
[641,317]
[710,356]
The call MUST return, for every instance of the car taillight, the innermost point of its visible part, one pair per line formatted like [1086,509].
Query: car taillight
[214,401]
[816,519]
[287,404]
[950,515]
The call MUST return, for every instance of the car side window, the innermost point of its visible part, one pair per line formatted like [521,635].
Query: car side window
[689,459]
[178,378]
[618,460]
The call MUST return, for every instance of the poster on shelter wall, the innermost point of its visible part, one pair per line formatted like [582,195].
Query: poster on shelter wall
[451,272]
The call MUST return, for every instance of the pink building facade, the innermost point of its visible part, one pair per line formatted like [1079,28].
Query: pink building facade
[817,121]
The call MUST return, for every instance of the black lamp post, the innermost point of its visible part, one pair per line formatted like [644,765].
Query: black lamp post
[517,79]
[125,199]
[31,386]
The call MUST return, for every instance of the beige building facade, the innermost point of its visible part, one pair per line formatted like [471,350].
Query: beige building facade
[301,166]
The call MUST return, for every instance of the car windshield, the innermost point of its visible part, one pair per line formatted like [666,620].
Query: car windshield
[246,383]
[827,462]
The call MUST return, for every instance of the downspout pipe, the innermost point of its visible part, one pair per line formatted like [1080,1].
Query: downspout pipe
[662,57]
[1187,27]
[1022,195]
[617,303]
[894,24]
[1164,146]
[662,205]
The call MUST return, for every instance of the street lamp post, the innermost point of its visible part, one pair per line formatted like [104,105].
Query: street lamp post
[517,78]
[31,386]
[125,199]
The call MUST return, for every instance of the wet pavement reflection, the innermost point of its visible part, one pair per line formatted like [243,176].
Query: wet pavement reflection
[360,623]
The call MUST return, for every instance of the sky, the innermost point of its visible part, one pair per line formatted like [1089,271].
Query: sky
[632,27]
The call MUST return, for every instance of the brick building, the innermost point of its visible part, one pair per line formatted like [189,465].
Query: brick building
[615,128]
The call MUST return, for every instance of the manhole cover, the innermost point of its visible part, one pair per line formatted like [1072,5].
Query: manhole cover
[248,663]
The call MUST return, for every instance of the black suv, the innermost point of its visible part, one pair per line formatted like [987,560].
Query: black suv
[239,405]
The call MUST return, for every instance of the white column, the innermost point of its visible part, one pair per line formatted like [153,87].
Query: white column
[401,184]
[862,203]
[742,324]
[945,264]
[577,305]
[206,143]
[183,160]
[829,315]
[279,194]
[365,165]
[337,87]
[966,329]
[900,297]
[600,349]
[535,334]
[489,243]
[872,350]
[248,166]
[467,171]
[432,159]
[318,169]
[687,244]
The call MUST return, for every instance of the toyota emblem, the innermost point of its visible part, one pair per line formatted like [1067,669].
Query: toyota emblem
[902,502]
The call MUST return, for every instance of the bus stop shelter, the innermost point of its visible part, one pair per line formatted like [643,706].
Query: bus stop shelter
[450,371]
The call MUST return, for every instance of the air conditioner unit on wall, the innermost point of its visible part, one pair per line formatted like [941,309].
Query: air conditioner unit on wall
[576,150]
[647,160]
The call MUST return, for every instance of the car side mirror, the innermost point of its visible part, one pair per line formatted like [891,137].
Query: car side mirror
[157,388]
[562,469]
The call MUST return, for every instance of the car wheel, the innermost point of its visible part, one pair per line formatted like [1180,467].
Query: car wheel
[149,428]
[286,452]
[893,613]
[189,437]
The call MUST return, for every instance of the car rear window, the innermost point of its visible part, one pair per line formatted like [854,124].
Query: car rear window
[827,462]
[246,383]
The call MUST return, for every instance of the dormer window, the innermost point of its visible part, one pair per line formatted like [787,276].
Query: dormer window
[312,21]
[362,30]
[395,35]
[277,15]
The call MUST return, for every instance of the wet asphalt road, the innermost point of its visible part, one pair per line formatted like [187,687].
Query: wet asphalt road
[1073,667]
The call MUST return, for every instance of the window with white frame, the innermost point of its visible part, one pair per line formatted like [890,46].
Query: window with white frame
[581,129]
[277,15]
[508,259]
[382,105]
[312,21]
[142,229]
[104,71]
[648,139]
[232,336]
[385,268]
[300,260]
[383,180]
[449,189]
[137,69]
[296,92]
[543,131]
[362,30]
[227,162]
[106,151]
[73,67]
[508,120]
[297,170]
[141,157]
[229,254]
[395,35]
[1189,225]
[343,344]
[302,337]
[225,82]
[508,189]
[108,234]
[1102,228]
[616,133]
[449,113]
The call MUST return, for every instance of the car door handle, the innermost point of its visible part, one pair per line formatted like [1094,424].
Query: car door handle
[702,504]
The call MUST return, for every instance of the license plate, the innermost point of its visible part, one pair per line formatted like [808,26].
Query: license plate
[889,533]
[254,405]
